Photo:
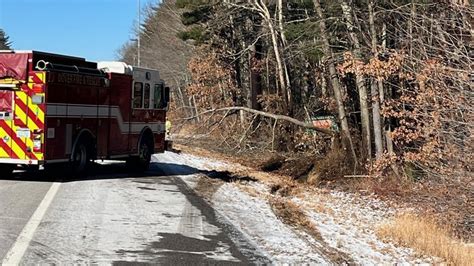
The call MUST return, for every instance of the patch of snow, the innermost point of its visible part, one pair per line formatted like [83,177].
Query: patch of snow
[255,218]
[348,223]
[197,162]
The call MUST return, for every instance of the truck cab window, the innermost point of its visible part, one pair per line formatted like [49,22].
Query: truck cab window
[158,93]
[146,103]
[138,95]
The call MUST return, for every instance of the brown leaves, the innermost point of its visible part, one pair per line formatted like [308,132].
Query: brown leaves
[212,83]
[376,68]
[426,113]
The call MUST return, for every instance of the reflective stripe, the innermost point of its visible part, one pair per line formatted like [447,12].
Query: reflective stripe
[17,134]
[20,161]
[16,144]
[101,111]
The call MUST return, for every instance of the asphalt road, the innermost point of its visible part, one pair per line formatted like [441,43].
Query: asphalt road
[115,218]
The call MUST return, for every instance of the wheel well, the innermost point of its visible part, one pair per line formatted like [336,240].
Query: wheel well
[86,136]
[147,133]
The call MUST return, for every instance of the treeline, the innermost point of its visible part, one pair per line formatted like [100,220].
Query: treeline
[396,76]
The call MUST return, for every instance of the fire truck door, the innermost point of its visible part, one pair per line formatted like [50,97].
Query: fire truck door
[103,121]
[6,123]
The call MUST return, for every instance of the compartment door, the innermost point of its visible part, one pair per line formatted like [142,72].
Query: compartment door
[6,123]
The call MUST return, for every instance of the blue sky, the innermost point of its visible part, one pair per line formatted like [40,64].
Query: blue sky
[94,29]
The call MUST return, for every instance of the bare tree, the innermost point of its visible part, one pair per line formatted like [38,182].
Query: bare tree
[375,85]
[336,86]
[360,82]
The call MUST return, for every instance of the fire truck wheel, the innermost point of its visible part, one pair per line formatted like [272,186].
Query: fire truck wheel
[144,155]
[81,158]
[6,170]
[141,162]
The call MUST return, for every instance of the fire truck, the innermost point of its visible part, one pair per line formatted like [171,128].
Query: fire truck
[63,109]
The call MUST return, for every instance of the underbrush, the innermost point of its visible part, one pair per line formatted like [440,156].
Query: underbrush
[428,237]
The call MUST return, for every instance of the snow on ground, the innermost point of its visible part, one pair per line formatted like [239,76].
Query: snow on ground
[346,222]
[197,162]
[255,218]
[251,215]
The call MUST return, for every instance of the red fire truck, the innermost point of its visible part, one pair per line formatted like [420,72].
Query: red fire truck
[63,109]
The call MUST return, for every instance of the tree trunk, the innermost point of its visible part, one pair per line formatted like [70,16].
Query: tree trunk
[265,13]
[375,88]
[280,22]
[292,120]
[360,83]
[255,77]
[283,46]
[336,86]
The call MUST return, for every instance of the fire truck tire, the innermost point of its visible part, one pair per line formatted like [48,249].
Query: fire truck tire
[145,151]
[6,170]
[82,156]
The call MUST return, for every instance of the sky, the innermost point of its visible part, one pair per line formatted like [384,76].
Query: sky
[93,29]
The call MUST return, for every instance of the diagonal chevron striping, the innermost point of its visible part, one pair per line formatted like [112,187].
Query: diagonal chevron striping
[26,115]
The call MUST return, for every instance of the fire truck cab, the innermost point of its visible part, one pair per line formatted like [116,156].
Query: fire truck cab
[63,109]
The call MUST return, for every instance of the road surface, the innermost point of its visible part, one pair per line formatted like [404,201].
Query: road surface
[112,217]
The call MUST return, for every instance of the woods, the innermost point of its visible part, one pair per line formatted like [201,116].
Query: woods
[395,75]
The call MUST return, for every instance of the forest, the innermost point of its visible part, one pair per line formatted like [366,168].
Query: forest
[384,87]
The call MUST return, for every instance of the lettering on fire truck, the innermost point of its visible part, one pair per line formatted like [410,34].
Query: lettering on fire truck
[56,108]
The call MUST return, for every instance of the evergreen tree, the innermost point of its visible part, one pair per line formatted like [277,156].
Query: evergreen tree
[5,43]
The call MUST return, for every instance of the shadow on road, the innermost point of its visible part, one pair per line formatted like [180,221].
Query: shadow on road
[119,170]
[116,170]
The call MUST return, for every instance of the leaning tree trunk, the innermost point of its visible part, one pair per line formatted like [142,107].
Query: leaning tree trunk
[336,86]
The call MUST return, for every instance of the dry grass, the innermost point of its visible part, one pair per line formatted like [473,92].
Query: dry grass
[387,187]
[333,166]
[249,190]
[428,238]
[320,208]
[293,215]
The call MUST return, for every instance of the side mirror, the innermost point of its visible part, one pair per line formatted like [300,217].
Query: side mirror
[167,97]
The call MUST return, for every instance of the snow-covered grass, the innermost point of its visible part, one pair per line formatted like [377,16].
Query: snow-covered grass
[197,162]
[346,222]
[254,217]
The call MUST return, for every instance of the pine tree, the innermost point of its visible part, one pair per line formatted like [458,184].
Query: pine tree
[5,43]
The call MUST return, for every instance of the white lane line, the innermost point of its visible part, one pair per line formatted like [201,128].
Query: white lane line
[15,254]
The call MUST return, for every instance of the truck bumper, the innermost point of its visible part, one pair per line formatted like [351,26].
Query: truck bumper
[19,161]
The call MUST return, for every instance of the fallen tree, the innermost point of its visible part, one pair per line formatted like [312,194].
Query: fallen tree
[264,114]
